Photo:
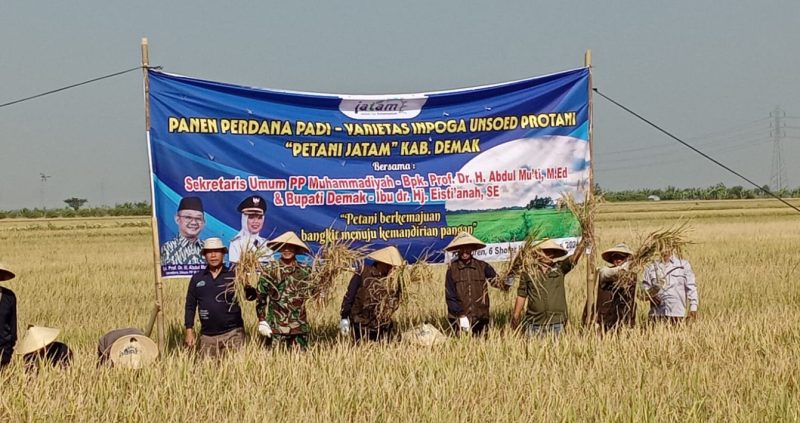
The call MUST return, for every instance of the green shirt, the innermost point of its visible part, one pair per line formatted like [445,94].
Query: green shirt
[547,299]
[282,294]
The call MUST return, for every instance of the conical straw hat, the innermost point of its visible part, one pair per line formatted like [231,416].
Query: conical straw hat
[289,238]
[552,246]
[133,351]
[6,273]
[620,248]
[36,338]
[462,239]
[213,244]
[389,255]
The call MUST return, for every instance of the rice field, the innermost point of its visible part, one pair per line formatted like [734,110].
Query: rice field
[737,362]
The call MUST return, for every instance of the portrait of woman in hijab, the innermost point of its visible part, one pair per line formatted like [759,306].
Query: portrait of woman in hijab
[253,209]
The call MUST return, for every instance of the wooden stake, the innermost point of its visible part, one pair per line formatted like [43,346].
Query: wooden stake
[158,309]
[591,288]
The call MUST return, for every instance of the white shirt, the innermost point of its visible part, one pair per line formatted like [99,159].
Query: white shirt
[676,283]
[253,242]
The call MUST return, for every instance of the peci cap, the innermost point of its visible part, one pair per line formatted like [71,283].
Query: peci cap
[191,203]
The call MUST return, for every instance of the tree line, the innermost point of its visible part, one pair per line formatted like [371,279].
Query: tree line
[74,206]
[716,192]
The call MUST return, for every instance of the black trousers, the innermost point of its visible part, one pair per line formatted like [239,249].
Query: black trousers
[365,333]
[480,327]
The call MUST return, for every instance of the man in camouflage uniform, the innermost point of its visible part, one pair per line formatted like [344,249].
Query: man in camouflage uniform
[282,293]
[185,248]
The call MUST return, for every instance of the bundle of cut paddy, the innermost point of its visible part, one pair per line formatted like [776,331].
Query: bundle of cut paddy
[333,259]
[248,270]
[527,258]
[672,240]
[398,288]
[584,212]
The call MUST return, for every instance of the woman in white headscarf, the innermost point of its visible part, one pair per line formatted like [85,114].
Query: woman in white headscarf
[253,209]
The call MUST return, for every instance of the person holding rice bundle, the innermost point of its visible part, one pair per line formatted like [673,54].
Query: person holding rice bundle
[616,302]
[543,290]
[669,284]
[367,292]
[467,284]
[283,289]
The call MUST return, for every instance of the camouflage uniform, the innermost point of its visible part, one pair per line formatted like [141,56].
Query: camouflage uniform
[182,251]
[281,301]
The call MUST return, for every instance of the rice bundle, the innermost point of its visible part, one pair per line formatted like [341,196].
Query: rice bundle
[525,259]
[671,240]
[248,270]
[389,293]
[333,259]
[584,212]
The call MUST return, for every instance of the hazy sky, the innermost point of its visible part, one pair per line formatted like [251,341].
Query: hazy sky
[711,72]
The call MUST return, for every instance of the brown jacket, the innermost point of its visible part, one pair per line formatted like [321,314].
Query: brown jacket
[616,305]
[467,288]
[363,295]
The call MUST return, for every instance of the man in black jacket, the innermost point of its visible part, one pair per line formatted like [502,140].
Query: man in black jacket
[211,292]
[8,318]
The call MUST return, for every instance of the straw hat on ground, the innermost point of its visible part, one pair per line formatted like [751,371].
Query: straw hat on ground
[288,238]
[6,273]
[550,245]
[389,255]
[425,335]
[464,239]
[133,351]
[36,338]
[213,244]
[620,248]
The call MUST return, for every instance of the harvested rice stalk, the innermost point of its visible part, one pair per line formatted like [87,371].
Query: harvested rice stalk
[398,288]
[584,212]
[247,271]
[671,240]
[526,256]
[333,259]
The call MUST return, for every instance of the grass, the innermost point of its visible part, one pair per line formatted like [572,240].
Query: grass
[515,225]
[738,362]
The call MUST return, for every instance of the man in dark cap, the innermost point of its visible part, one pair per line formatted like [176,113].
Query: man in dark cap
[185,248]
[8,318]
[249,237]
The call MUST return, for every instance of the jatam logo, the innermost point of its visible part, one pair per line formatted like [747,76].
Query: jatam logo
[370,108]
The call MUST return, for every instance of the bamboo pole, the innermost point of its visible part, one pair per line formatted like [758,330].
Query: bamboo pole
[158,309]
[591,289]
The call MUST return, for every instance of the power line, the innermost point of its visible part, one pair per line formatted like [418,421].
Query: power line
[707,140]
[713,160]
[89,81]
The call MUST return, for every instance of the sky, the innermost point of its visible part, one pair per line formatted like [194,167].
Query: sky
[709,72]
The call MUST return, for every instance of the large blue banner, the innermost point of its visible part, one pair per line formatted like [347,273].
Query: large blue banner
[247,164]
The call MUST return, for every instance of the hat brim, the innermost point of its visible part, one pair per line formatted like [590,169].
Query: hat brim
[472,246]
[276,246]
[34,342]
[145,351]
[6,275]
[606,255]
[561,252]
[223,249]
[255,211]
